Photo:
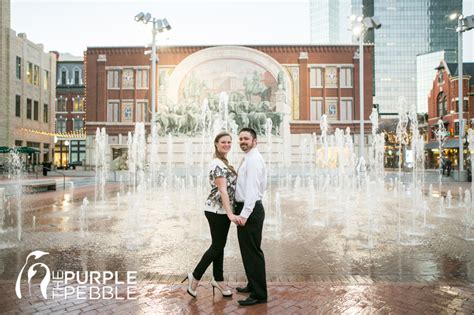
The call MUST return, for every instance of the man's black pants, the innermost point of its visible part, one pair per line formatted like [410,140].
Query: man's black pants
[250,240]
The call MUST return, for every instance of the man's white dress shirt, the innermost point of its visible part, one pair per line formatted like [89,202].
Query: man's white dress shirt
[251,181]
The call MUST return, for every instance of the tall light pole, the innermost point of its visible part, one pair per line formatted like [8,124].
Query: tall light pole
[360,26]
[159,26]
[464,24]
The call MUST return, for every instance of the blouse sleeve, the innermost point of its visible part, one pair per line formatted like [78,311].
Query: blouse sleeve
[216,171]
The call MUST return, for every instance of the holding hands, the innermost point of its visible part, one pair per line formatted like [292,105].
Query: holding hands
[237,219]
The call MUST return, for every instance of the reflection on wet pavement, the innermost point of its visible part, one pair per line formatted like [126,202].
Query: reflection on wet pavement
[164,232]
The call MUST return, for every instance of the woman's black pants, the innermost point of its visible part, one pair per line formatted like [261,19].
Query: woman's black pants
[219,225]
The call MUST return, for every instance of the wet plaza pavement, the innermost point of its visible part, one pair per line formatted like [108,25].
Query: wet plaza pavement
[346,265]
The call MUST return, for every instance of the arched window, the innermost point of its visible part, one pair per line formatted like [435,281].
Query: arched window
[63,76]
[77,76]
[441,104]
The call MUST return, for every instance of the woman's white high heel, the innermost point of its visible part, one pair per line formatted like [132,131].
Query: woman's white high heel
[190,278]
[225,293]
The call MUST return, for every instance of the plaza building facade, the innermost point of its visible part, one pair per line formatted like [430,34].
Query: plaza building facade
[70,140]
[300,83]
[443,105]
[27,92]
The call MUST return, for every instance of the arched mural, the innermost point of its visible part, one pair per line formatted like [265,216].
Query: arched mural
[235,86]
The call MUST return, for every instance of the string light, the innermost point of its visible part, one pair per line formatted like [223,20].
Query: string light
[69,134]
[85,84]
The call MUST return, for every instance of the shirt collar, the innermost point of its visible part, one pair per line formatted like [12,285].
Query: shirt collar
[251,152]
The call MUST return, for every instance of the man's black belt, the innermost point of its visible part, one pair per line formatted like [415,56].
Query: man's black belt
[258,202]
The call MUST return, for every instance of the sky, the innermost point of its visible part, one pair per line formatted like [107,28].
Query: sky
[72,26]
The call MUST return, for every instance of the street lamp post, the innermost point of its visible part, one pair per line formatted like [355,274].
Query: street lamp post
[360,26]
[464,24]
[159,26]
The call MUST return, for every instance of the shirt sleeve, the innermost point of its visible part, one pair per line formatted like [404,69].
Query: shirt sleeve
[216,171]
[252,184]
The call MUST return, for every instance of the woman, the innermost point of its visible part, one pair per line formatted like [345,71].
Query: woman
[218,211]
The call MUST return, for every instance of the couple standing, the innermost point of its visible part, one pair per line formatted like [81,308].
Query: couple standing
[236,196]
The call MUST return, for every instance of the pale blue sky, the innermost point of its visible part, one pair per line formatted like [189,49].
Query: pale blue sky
[72,25]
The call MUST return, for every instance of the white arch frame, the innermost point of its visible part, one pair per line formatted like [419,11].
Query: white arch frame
[222,52]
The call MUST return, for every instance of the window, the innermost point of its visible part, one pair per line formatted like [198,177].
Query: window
[78,124]
[127,79]
[76,77]
[46,80]
[78,104]
[315,77]
[142,79]
[455,105]
[113,112]
[440,76]
[141,113]
[346,77]
[35,110]
[346,110]
[330,78]
[18,143]
[18,106]
[45,113]
[36,75]
[316,110]
[113,79]
[63,77]
[441,104]
[61,126]
[29,109]
[456,127]
[29,73]
[61,104]
[18,68]
[78,151]
[331,109]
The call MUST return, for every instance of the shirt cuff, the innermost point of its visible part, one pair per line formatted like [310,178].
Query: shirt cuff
[246,213]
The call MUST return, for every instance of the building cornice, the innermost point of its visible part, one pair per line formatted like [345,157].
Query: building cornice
[263,48]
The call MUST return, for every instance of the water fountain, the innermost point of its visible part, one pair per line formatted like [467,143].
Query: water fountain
[15,173]
[2,207]
[83,217]
[440,134]
[101,163]
[325,201]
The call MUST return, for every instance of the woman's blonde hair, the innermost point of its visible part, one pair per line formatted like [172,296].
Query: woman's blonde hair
[220,155]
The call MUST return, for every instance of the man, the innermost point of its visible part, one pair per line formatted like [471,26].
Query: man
[251,184]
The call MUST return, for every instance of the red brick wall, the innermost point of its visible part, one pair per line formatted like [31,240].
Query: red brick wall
[450,88]
[97,93]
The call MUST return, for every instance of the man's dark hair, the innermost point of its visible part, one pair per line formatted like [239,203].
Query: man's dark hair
[249,130]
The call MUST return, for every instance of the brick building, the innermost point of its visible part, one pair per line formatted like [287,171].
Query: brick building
[70,141]
[303,82]
[443,105]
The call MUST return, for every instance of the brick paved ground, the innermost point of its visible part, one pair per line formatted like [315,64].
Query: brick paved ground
[448,292]
[284,298]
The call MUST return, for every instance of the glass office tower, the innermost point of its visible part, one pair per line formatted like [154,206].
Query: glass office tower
[409,28]
[329,21]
